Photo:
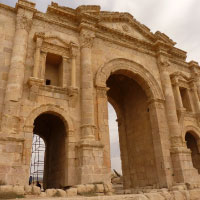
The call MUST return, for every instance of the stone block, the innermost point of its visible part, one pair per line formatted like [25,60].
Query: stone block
[6,188]
[28,189]
[81,189]
[43,194]
[90,188]
[60,193]
[99,188]
[178,195]
[154,196]
[51,192]
[139,197]
[108,187]
[18,190]
[194,194]
[36,190]
[71,192]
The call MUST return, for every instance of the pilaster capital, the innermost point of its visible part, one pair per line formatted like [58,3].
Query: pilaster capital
[175,80]
[163,63]
[86,38]
[39,42]
[73,50]
[43,54]
[102,91]
[23,22]
[193,85]
[38,38]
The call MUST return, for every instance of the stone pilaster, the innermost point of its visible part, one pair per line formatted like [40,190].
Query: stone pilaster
[14,89]
[195,96]
[179,153]
[160,133]
[65,65]
[73,66]
[87,87]
[17,66]
[177,93]
[43,65]
[36,68]
[175,133]
[195,69]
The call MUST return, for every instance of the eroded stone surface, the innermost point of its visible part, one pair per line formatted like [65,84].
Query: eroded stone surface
[58,72]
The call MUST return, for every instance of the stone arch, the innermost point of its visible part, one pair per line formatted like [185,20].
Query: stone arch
[139,73]
[49,108]
[192,141]
[195,131]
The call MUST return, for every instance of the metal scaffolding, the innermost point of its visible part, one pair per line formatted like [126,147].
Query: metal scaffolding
[37,159]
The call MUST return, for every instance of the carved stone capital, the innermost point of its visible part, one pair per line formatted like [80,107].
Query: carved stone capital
[73,51]
[86,39]
[164,64]
[176,141]
[39,42]
[102,91]
[175,80]
[73,96]
[23,22]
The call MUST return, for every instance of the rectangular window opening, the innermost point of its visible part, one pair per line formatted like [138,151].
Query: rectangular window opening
[185,99]
[53,71]
[48,82]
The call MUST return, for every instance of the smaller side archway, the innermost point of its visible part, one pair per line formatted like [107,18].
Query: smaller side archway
[55,127]
[192,140]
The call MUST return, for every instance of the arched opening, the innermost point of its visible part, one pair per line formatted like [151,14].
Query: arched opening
[193,146]
[130,102]
[52,130]
[114,140]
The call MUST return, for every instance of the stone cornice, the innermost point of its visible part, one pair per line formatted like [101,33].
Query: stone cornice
[88,17]
[63,11]
[7,7]
[126,44]
[126,17]
[45,18]
[27,5]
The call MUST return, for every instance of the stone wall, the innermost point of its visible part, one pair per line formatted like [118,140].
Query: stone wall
[93,46]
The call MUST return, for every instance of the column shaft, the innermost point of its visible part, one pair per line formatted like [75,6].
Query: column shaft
[36,63]
[73,72]
[172,118]
[87,101]
[43,65]
[178,96]
[196,98]
[17,66]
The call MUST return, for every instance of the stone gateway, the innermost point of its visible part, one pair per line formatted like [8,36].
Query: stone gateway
[58,71]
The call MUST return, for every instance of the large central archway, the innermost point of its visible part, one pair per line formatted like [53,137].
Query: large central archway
[139,104]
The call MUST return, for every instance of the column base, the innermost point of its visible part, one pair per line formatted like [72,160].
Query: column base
[184,172]
[91,162]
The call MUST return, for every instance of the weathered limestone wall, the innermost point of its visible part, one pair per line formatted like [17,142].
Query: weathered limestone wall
[139,138]
[7,31]
[92,46]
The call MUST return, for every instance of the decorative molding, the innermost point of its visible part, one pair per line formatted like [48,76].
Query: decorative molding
[149,84]
[23,23]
